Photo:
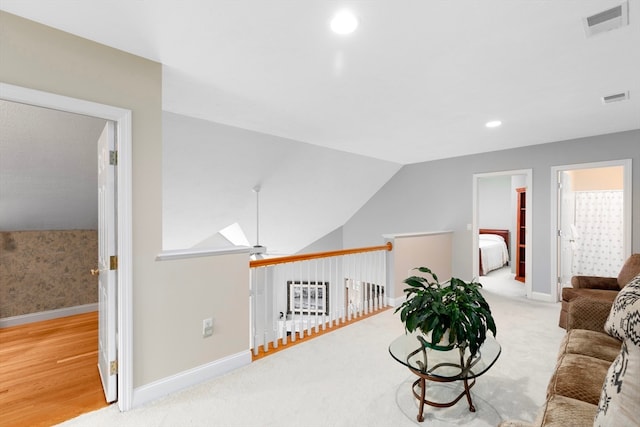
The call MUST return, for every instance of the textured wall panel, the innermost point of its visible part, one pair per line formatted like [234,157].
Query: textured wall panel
[47,270]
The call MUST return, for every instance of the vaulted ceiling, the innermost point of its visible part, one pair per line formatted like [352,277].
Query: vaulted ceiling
[48,169]
[416,81]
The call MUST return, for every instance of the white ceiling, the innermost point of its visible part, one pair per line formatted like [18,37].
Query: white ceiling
[48,164]
[415,82]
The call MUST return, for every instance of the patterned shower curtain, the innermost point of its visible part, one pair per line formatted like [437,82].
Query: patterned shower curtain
[599,224]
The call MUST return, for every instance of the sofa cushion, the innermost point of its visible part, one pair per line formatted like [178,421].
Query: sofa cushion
[579,377]
[590,343]
[619,403]
[562,411]
[588,313]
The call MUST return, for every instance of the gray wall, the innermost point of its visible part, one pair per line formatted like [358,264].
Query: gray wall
[48,164]
[494,202]
[437,195]
[330,242]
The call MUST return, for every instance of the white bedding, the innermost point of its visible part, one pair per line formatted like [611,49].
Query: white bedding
[493,252]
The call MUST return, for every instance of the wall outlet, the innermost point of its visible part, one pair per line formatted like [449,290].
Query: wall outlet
[207,327]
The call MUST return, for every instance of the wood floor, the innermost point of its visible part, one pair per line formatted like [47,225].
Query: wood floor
[48,371]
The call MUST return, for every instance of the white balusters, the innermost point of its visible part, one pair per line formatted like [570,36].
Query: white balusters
[265,299]
[309,296]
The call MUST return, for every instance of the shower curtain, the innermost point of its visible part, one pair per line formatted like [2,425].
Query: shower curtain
[599,225]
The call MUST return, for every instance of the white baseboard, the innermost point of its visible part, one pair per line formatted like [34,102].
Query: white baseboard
[191,377]
[539,296]
[47,315]
[395,302]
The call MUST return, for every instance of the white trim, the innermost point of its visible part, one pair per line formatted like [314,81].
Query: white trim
[627,190]
[38,98]
[23,319]
[199,253]
[189,378]
[528,252]
[122,117]
[416,234]
[395,302]
[539,296]
[125,261]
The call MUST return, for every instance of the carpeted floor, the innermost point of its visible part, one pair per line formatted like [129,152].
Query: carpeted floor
[347,378]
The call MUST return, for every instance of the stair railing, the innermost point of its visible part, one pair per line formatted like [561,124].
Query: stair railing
[305,294]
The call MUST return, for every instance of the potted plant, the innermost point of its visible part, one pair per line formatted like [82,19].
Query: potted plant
[455,307]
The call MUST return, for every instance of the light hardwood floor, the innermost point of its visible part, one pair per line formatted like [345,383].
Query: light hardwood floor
[48,371]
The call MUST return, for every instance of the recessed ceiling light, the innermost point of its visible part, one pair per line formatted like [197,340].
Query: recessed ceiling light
[493,124]
[344,22]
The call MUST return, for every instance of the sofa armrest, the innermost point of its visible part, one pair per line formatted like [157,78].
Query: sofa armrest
[595,282]
[587,313]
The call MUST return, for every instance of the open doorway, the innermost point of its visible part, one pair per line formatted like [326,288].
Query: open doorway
[56,191]
[498,214]
[48,213]
[123,175]
[591,220]
[48,246]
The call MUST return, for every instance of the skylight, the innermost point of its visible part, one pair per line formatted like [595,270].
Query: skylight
[235,235]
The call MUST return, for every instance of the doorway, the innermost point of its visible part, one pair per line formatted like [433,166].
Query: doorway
[591,220]
[122,119]
[502,191]
[58,222]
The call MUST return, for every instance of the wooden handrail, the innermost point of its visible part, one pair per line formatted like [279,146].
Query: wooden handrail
[316,255]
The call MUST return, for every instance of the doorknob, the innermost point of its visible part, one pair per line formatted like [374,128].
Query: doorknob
[95,272]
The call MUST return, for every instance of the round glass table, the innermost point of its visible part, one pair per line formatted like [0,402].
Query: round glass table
[442,365]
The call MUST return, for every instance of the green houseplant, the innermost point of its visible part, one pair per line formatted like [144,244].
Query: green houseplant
[455,307]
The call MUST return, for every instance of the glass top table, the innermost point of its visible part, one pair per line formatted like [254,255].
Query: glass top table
[440,365]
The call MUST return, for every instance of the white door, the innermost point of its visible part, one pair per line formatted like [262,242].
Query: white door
[566,234]
[107,352]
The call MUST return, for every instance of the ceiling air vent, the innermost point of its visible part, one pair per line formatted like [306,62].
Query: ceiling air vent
[622,96]
[607,20]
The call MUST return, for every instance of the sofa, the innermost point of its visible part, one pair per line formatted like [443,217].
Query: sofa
[596,381]
[602,289]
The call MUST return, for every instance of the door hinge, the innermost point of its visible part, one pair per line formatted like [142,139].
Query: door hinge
[113,262]
[113,367]
[113,158]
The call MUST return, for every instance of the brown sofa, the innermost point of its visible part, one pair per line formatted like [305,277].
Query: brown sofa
[602,289]
[588,386]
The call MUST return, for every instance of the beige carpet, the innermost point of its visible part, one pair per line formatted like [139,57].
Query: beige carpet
[347,378]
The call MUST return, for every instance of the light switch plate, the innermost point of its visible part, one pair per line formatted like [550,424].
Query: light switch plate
[207,327]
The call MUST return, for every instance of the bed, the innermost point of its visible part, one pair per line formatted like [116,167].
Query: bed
[493,246]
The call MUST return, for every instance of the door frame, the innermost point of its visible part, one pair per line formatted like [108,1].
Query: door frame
[122,118]
[555,193]
[528,173]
